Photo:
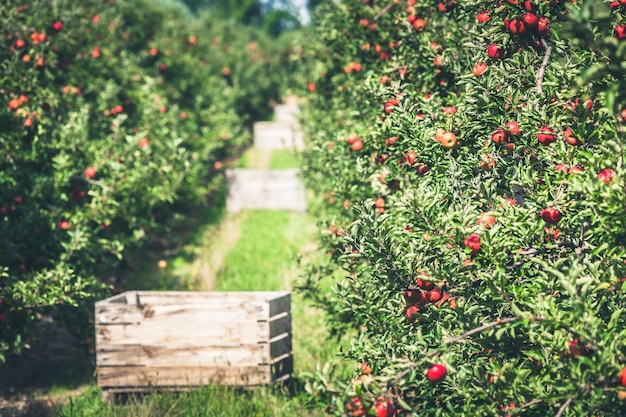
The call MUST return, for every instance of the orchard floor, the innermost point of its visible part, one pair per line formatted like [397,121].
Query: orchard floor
[252,250]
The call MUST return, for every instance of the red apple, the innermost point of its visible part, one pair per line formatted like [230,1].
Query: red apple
[570,138]
[479,69]
[495,52]
[351,138]
[424,283]
[384,408]
[390,105]
[499,136]
[483,17]
[90,172]
[620,31]
[357,145]
[486,220]
[543,25]
[392,140]
[414,296]
[444,7]
[472,242]
[57,26]
[575,349]
[436,373]
[551,215]
[419,24]
[513,127]
[530,20]
[529,6]
[606,175]
[434,295]
[546,135]
[355,407]
[412,314]
[517,27]
[411,157]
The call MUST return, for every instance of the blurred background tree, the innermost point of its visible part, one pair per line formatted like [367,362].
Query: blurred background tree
[273,16]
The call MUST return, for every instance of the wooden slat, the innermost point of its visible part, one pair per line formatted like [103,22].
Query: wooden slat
[181,355]
[113,313]
[165,376]
[280,304]
[182,313]
[176,339]
[205,297]
[264,189]
[193,333]
[280,324]
[282,367]
[280,345]
[276,135]
[118,298]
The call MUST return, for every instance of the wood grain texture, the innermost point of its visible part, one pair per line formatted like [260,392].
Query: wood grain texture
[271,189]
[277,135]
[177,339]
[182,355]
[160,376]
[182,313]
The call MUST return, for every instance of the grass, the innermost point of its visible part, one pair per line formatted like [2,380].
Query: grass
[283,159]
[265,259]
[174,268]
[264,256]
[264,253]
[260,159]
[204,402]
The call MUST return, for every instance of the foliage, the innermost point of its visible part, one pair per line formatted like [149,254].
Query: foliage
[471,158]
[113,117]
[206,402]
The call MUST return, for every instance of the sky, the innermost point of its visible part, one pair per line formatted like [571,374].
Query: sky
[304,13]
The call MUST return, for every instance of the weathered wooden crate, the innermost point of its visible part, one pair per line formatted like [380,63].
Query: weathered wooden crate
[287,113]
[149,340]
[270,189]
[277,135]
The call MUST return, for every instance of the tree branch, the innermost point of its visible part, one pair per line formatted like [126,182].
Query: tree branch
[382,11]
[481,328]
[532,252]
[563,407]
[454,340]
[531,403]
[544,65]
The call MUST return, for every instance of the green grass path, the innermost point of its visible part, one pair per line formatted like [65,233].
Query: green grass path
[251,251]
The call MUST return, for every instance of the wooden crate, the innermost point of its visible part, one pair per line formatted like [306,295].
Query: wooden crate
[270,189]
[277,135]
[148,340]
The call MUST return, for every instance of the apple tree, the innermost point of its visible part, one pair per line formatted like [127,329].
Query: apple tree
[116,117]
[468,156]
